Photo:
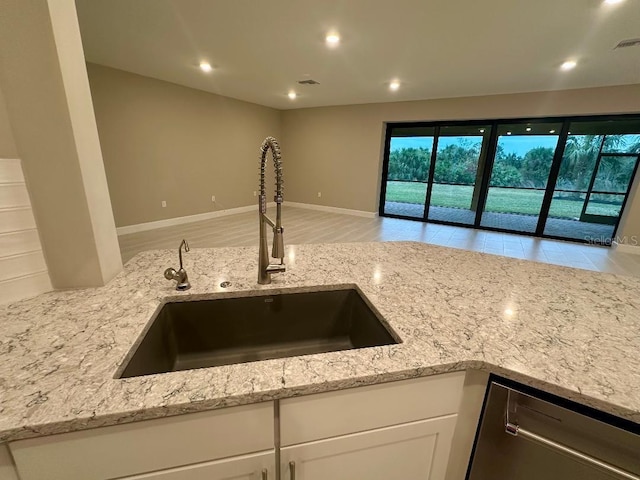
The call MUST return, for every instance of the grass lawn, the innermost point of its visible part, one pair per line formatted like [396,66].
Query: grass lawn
[500,200]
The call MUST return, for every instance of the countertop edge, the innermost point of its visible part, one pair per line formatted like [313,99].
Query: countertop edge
[82,424]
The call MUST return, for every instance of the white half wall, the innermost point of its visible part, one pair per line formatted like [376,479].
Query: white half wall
[23,270]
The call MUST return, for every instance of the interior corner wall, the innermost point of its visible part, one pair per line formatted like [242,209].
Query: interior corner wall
[338,150]
[165,142]
[629,229]
[7,144]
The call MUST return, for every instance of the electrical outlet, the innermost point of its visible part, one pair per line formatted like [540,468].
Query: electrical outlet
[213,198]
[255,194]
[319,194]
[164,203]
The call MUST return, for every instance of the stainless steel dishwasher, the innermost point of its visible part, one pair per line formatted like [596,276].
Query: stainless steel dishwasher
[524,436]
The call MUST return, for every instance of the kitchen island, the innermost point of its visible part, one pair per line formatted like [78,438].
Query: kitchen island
[570,332]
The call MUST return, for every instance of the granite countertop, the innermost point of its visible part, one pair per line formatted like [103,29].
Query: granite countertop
[571,332]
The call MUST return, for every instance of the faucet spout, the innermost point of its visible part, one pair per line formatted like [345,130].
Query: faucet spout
[277,249]
[265,268]
[186,249]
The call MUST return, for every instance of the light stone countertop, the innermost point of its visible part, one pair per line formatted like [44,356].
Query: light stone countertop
[571,332]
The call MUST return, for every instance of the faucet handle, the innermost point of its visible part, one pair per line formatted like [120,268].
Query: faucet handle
[170,273]
[276,268]
[277,250]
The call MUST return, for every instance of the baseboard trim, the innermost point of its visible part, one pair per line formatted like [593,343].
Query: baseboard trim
[624,248]
[325,208]
[169,222]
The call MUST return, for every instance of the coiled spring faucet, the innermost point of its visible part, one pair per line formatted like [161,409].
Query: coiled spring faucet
[265,268]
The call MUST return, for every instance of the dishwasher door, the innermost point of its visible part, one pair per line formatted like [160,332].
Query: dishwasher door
[523,437]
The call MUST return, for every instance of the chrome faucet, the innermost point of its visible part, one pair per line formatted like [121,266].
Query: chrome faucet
[265,268]
[181,275]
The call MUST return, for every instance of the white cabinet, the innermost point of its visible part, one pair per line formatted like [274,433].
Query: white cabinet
[259,466]
[412,451]
[393,430]
[148,446]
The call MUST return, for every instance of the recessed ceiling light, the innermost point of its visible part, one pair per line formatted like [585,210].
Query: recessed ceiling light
[205,67]
[292,95]
[394,85]
[612,2]
[482,130]
[568,65]
[332,39]
[508,133]
[552,131]
[528,129]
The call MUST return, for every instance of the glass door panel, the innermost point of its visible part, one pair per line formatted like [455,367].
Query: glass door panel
[521,166]
[595,176]
[410,150]
[455,189]
[624,143]
[614,173]
[609,189]
[602,205]
[572,186]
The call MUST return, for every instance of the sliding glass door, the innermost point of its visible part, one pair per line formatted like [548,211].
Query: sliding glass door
[519,175]
[455,189]
[565,178]
[596,171]
[409,153]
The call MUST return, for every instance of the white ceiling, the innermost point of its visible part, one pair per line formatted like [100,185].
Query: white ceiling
[436,48]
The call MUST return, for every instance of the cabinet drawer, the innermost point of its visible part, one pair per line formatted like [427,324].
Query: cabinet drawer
[246,467]
[122,450]
[325,415]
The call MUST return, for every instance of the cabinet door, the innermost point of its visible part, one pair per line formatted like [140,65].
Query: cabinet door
[246,467]
[152,445]
[411,451]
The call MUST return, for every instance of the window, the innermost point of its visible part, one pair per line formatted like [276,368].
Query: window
[566,178]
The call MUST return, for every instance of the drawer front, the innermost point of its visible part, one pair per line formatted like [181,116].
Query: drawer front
[246,467]
[122,450]
[325,415]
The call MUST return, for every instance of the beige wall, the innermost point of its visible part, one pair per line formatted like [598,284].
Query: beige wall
[338,150]
[629,230]
[7,145]
[161,141]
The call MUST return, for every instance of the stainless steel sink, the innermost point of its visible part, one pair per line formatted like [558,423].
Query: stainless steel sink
[206,333]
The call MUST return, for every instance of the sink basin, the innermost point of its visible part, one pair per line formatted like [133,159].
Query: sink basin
[206,333]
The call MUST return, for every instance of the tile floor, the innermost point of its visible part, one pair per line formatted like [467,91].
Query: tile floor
[310,226]
[506,221]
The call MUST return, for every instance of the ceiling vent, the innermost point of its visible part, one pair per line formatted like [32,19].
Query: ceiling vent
[309,81]
[632,42]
